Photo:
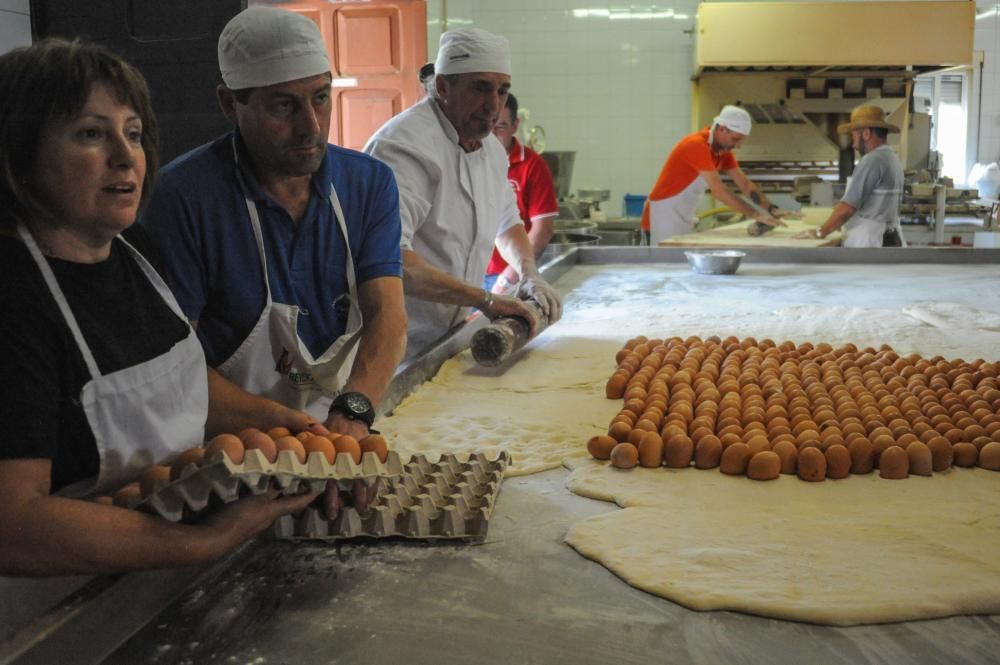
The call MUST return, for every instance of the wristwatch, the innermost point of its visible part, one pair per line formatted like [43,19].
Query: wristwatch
[354,406]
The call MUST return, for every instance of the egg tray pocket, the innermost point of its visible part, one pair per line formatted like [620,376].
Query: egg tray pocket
[222,481]
[449,499]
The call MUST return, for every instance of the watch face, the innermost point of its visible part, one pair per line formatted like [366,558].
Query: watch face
[357,403]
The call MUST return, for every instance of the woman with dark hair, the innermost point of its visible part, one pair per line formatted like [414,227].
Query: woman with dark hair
[101,373]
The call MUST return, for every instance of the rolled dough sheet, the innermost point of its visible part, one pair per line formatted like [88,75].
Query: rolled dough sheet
[853,551]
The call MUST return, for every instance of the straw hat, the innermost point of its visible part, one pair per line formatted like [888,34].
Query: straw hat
[867,116]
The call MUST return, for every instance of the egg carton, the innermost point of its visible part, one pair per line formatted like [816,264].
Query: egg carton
[447,499]
[222,481]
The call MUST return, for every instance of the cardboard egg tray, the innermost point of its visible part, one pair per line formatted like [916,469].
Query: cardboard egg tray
[222,481]
[449,499]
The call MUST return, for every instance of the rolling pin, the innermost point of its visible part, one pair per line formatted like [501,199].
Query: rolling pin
[494,344]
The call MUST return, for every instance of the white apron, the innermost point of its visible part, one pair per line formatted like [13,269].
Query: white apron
[140,415]
[674,216]
[272,361]
[863,232]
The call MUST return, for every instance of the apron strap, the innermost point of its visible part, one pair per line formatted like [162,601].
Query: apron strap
[258,234]
[60,298]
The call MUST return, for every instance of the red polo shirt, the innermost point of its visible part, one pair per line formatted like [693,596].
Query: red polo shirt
[531,179]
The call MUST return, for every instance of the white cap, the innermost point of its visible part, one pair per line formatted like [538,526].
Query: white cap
[472,50]
[262,46]
[734,119]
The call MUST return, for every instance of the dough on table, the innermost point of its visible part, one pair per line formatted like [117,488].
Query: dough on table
[843,552]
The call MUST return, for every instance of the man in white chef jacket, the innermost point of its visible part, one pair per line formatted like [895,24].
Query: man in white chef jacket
[869,209]
[455,201]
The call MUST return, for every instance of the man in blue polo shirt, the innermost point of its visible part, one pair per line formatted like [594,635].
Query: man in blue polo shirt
[323,327]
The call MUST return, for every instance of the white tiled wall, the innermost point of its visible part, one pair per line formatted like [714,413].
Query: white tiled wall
[987,40]
[618,92]
[15,24]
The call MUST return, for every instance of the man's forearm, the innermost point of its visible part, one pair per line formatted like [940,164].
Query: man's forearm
[539,237]
[422,280]
[841,213]
[383,340]
[516,250]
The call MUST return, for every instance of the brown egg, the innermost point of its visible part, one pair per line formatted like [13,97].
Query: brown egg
[942,454]
[600,446]
[921,459]
[838,461]
[765,465]
[190,456]
[292,444]
[965,454]
[615,387]
[989,456]
[735,459]
[624,456]
[158,473]
[788,454]
[651,450]
[862,456]
[894,464]
[677,451]
[254,439]
[278,432]
[635,436]
[807,436]
[230,444]
[707,453]
[375,443]
[811,465]
[348,445]
[619,431]
[322,445]
[127,495]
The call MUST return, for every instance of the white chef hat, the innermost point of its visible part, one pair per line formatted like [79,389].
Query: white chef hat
[472,50]
[734,119]
[262,46]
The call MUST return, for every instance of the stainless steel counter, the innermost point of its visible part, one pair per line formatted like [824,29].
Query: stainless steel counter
[521,597]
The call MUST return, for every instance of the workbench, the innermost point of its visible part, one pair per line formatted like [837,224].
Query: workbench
[523,596]
[735,234]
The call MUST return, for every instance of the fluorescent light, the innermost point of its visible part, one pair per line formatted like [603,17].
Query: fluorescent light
[989,13]
[345,83]
[627,14]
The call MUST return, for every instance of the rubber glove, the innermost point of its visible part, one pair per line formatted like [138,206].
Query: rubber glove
[537,289]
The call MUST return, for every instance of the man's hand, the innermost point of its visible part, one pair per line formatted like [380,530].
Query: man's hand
[769,220]
[810,234]
[297,421]
[360,497]
[537,289]
[341,424]
[504,286]
[508,306]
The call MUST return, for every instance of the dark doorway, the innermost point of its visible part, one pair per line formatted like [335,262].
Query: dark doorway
[172,42]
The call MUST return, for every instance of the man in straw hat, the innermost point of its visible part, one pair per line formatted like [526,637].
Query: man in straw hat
[283,248]
[694,165]
[455,201]
[869,209]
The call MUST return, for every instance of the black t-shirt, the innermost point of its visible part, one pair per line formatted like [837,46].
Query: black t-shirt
[42,372]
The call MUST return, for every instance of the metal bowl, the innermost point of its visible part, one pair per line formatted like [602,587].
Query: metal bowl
[715,262]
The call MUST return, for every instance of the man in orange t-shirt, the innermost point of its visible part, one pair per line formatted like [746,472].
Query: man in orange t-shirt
[693,166]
